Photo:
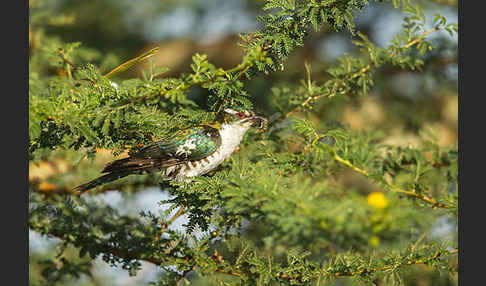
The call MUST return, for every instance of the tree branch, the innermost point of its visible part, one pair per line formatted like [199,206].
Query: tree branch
[358,272]
[171,220]
[391,187]
[311,98]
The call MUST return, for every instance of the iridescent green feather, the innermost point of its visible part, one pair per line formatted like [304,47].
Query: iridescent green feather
[205,140]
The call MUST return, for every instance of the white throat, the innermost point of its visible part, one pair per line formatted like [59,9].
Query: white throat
[231,135]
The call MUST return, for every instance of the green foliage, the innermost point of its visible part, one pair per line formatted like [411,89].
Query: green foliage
[293,206]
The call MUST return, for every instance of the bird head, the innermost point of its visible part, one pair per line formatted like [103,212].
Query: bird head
[243,118]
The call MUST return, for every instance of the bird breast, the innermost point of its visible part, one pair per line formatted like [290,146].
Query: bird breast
[231,136]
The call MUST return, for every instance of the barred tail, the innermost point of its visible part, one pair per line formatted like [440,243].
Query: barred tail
[99,181]
[124,167]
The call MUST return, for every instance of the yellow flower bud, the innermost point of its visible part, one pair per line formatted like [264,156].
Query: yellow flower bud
[374,241]
[377,200]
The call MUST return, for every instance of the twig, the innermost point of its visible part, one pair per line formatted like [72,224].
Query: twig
[391,187]
[165,225]
[183,86]
[359,272]
[63,57]
[414,42]
[354,75]
[417,40]
[311,145]
[410,262]
[70,64]
[130,63]
[307,101]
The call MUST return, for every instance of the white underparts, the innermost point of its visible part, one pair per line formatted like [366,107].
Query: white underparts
[231,135]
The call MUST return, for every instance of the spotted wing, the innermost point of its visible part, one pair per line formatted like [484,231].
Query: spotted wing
[189,144]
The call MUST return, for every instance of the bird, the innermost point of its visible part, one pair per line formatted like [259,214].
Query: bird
[187,153]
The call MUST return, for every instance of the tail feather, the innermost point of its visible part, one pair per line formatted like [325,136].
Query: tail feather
[129,164]
[138,164]
[99,181]
[124,167]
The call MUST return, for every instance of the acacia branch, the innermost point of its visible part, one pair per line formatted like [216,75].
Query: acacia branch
[410,44]
[425,260]
[184,86]
[391,187]
[132,255]
[362,71]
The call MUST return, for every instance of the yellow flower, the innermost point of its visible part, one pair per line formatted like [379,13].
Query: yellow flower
[377,200]
[374,241]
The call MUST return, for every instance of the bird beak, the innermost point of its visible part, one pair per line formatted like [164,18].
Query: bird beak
[258,119]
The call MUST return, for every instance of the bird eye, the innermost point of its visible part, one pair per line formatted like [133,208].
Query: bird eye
[240,115]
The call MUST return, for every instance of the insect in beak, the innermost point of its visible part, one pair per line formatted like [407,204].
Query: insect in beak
[258,119]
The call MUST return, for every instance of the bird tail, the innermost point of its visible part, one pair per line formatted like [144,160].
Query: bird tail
[122,168]
[99,181]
